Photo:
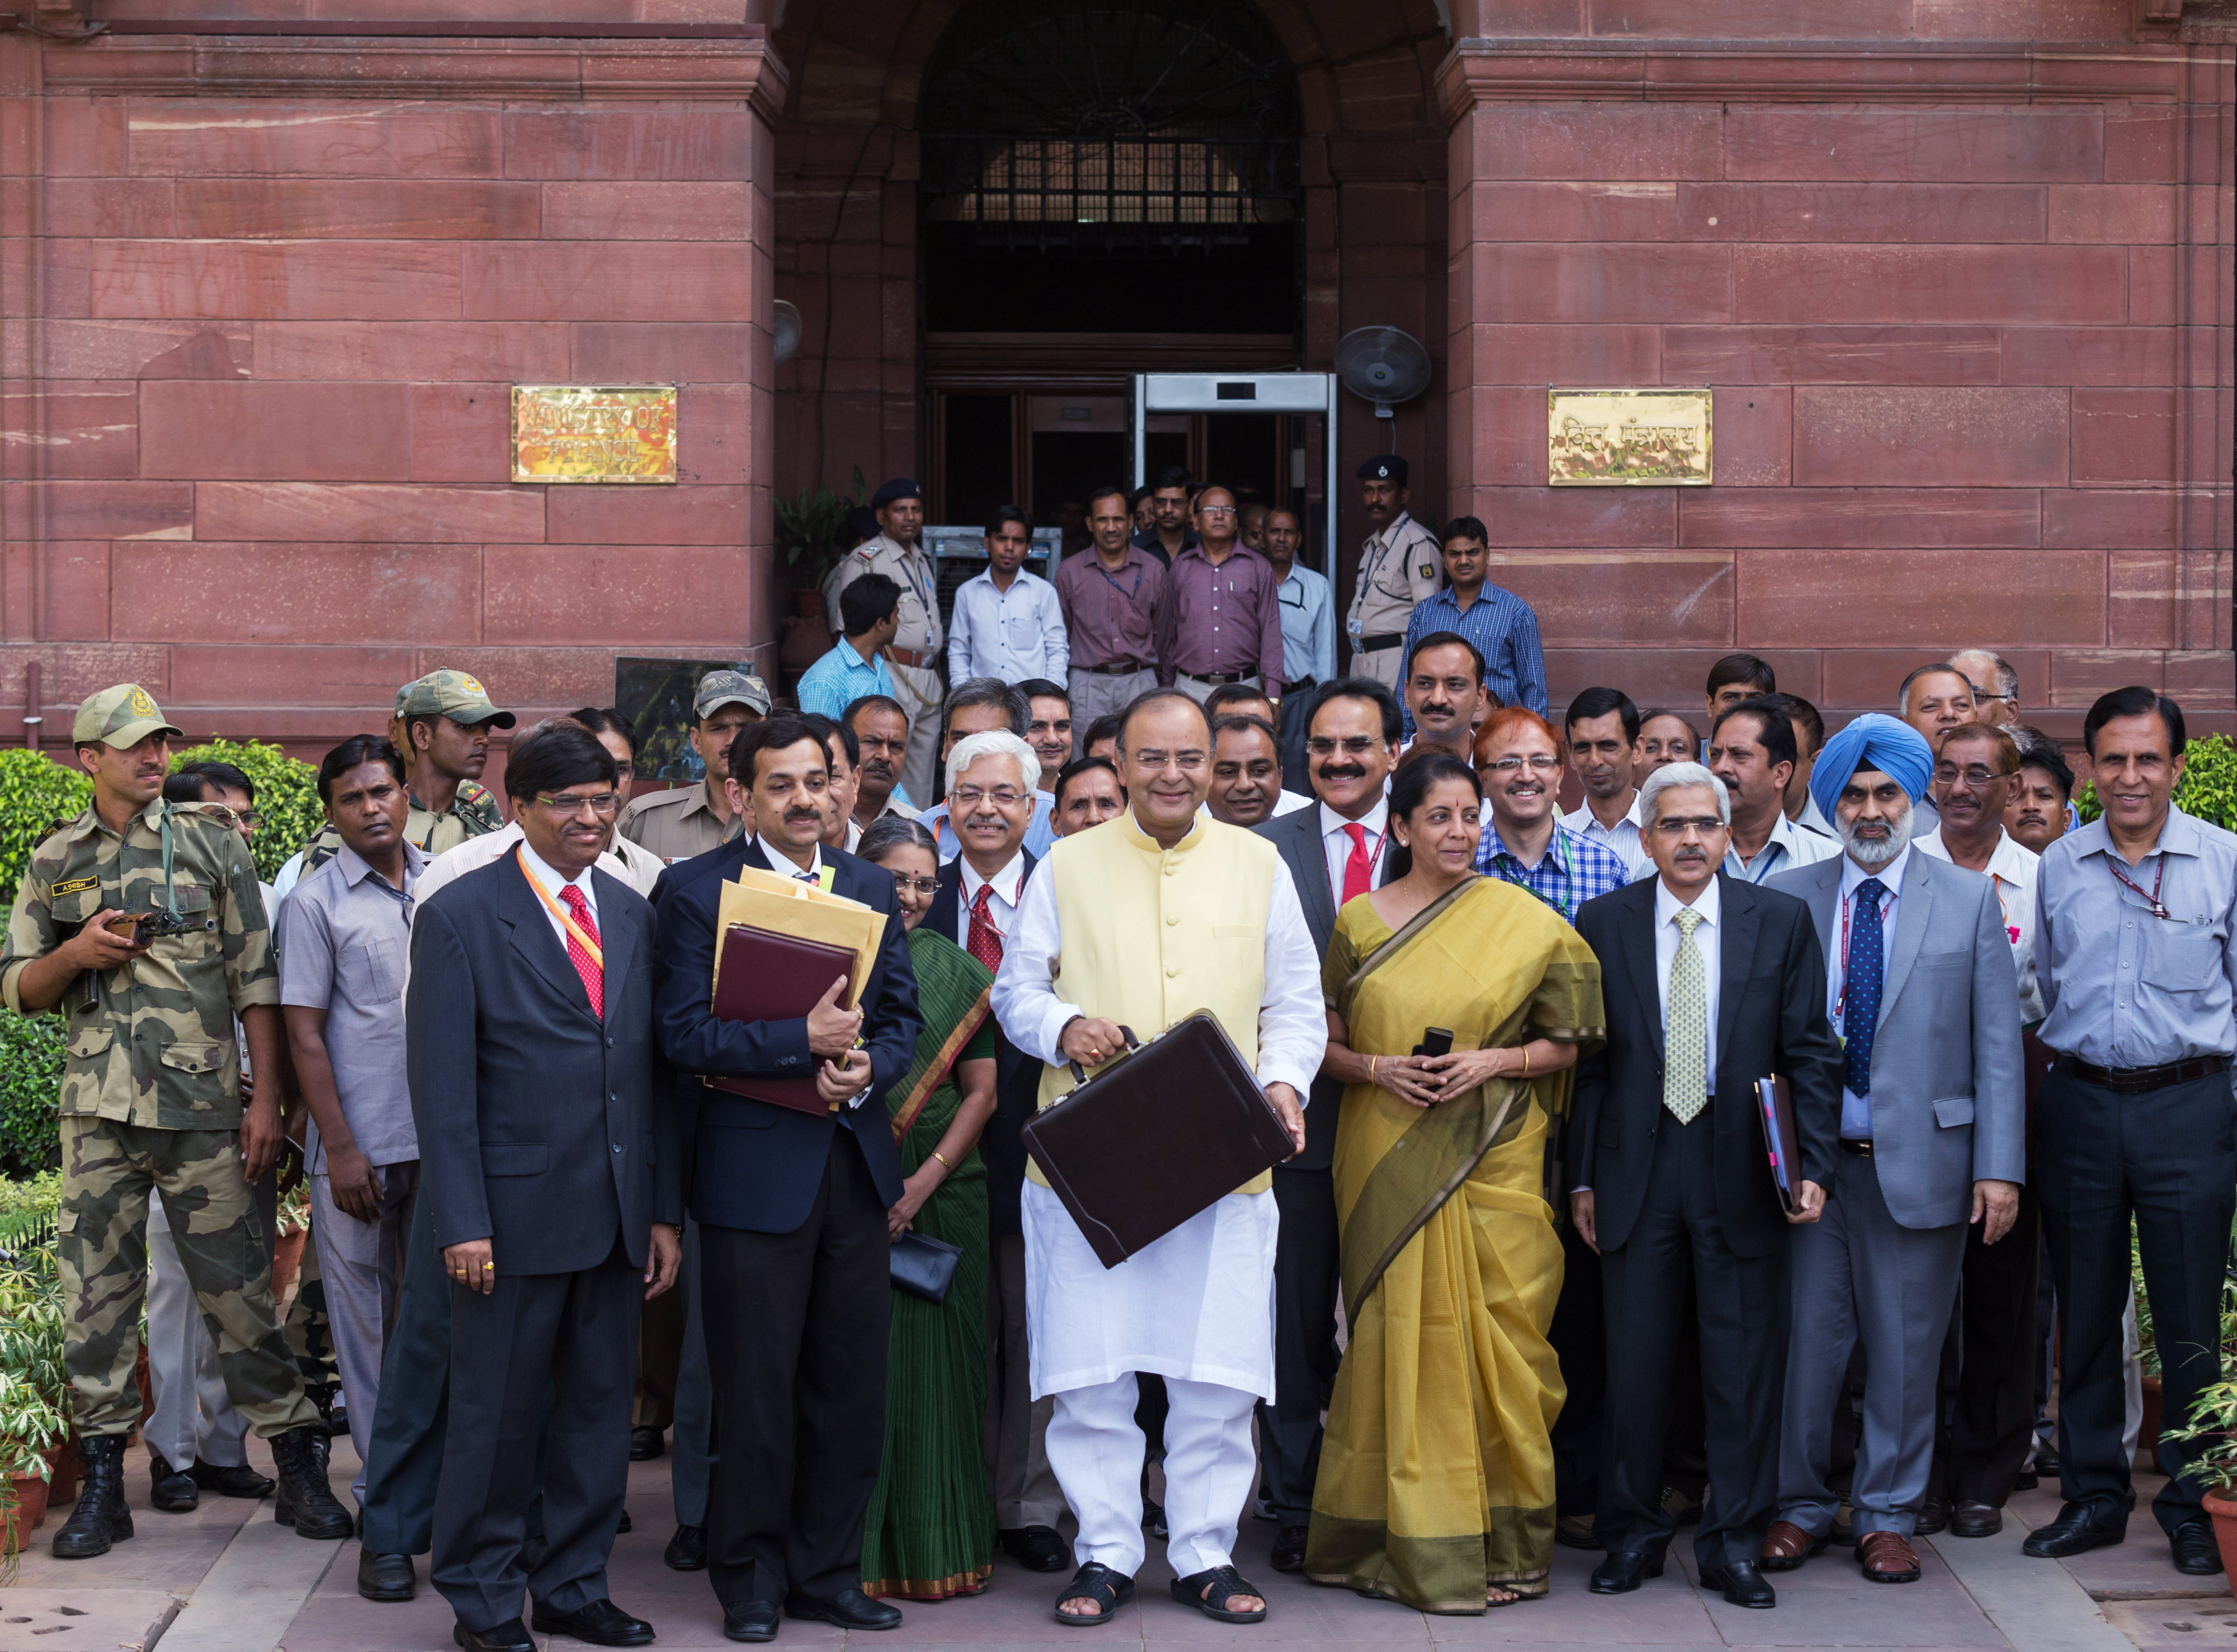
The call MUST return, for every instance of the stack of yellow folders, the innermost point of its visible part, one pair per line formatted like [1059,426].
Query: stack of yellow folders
[769,901]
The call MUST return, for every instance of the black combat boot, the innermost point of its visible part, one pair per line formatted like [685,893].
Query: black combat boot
[306,1502]
[102,1518]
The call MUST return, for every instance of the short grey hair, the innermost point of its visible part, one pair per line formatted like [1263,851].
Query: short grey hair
[1671,775]
[1940,667]
[2004,683]
[994,742]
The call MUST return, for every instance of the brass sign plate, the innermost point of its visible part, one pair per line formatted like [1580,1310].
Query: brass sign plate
[593,433]
[1627,438]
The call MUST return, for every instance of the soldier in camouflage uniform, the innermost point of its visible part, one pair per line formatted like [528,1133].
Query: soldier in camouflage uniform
[151,1098]
[442,725]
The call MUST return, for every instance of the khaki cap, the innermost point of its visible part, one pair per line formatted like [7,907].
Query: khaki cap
[719,689]
[455,695]
[120,717]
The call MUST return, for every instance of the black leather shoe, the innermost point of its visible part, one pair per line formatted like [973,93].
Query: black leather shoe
[1576,1531]
[2080,1528]
[1742,1585]
[751,1621]
[306,1500]
[1975,1520]
[1038,1549]
[2196,1553]
[171,1490]
[100,1516]
[505,1637]
[600,1622]
[2026,1480]
[532,1551]
[1153,1519]
[849,1609]
[686,1551]
[385,1577]
[1289,1553]
[238,1481]
[646,1443]
[337,1421]
[1933,1518]
[1622,1572]
[622,1527]
[2046,1464]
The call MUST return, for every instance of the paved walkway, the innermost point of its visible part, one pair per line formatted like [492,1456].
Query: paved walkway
[227,1579]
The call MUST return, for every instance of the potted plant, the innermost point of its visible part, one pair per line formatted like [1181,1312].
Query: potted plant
[2211,1431]
[30,1427]
[35,1386]
[808,534]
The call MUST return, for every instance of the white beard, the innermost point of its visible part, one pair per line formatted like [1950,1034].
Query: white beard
[1872,854]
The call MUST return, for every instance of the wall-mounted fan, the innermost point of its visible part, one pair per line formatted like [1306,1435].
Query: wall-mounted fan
[787,331]
[1383,365]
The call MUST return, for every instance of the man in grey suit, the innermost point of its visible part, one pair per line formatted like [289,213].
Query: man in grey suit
[548,1158]
[1335,850]
[1920,983]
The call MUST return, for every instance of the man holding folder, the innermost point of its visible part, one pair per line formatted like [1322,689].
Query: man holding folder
[791,1205]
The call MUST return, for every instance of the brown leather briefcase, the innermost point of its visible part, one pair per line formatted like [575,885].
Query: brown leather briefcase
[1163,1132]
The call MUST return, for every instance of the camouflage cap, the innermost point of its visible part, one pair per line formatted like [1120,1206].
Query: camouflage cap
[120,717]
[719,689]
[455,695]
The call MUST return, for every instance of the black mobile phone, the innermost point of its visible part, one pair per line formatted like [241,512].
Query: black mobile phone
[1436,1040]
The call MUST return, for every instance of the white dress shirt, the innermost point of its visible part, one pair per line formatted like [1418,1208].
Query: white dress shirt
[554,882]
[1788,847]
[1856,1110]
[1289,802]
[2011,868]
[637,867]
[1624,840]
[783,866]
[1292,1017]
[1009,887]
[1710,904]
[1013,634]
[1336,842]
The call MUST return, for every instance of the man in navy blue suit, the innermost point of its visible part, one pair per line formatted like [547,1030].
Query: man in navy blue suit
[791,1208]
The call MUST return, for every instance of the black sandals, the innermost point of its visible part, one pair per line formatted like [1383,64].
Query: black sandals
[1224,1584]
[1097,1583]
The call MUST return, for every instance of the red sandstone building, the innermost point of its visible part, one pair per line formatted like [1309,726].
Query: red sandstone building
[1958,272]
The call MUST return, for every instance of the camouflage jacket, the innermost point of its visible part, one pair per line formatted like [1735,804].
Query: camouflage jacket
[153,1044]
[473,812]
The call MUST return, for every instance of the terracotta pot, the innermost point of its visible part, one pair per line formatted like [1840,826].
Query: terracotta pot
[2224,1511]
[28,1514]
[287,1262]
[64,1464]
[808,602]
[806,641]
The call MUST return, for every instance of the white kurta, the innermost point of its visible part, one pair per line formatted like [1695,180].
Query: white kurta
[1198,1304]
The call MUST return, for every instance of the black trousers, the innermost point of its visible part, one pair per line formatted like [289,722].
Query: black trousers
[570,1339]
[1304,1342]
[2168,1158]
[1992,1402]
[1741,1303]
[796,1348]
[1579,1336]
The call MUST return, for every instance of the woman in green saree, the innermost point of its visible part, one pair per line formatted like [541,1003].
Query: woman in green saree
[929,1535]
[1436,1476]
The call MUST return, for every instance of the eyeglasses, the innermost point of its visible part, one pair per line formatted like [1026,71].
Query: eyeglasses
[246,820]
[1001,796]
[1215,510]
[1973,775]
[1353,745]
[925,886]
[1540,763]
[603,804]
[1188,763]
[1674,827]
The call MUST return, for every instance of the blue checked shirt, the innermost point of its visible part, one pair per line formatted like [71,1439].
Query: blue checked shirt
[1572,871]
[1504,628]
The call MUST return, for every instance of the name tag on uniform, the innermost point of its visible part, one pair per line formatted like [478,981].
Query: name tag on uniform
[75,886]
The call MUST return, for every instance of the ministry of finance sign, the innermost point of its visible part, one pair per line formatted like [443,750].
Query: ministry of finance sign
[593,433]
[1627,438]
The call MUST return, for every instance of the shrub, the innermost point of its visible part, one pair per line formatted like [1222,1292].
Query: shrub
[35,792]
[2208,789]
[31,1055]
[287,806]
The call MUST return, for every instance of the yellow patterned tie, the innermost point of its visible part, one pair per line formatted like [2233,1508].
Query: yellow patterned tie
[1685,1065]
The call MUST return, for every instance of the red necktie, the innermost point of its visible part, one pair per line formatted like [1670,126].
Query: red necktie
[985,941]
[1358,870]
[593,972]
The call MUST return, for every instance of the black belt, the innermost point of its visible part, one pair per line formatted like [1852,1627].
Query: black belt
[1219,676]
[1299,685]
[2135,1080]
[1380,639]
[1117,668]
[1861,1149]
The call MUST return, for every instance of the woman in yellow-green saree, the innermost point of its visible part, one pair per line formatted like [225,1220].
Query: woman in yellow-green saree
[1437,1475]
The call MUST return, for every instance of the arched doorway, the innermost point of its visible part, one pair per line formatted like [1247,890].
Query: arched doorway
[1105,188]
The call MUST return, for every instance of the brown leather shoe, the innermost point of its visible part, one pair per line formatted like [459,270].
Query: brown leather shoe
[1886,1557]
[1785,1546]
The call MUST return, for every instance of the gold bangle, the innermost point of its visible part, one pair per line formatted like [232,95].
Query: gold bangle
[943,1159]
[1371,1079]
[1526,1060]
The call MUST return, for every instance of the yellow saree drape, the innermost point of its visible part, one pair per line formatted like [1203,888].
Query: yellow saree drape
[1437,1475]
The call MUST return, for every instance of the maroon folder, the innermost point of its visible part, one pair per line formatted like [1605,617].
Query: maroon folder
[770,977]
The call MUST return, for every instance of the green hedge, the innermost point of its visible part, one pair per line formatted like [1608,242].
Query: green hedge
[286,795]
[36,793]
[2208,789]
[30,1092]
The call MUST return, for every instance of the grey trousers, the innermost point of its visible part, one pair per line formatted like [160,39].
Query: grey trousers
[1386,665]
[1025,1491]
[1098,694]
[692,1443]
[193,1420]
[362,1266]
[1199,690]
[1858,1274]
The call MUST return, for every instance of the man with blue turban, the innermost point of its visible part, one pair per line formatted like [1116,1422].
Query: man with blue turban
[1921,986]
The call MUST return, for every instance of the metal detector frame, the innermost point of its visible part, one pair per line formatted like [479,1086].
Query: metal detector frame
[1232,393]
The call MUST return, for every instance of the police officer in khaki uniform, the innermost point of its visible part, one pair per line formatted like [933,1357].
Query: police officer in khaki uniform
[1400,563]
[919,646]
[142,922]
[684,821]
[442,725]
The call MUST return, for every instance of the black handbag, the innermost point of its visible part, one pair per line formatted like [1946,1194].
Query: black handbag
[923,1266]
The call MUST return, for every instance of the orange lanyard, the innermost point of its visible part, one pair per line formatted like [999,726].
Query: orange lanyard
[573,928]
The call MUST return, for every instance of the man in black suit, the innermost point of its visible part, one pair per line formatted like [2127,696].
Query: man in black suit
[992,778]
[548,1156]
[791,1208]
[1712,983]
[1335,850]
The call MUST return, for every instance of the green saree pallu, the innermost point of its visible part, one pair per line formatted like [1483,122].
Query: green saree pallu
[1437,1475]
[930,1531]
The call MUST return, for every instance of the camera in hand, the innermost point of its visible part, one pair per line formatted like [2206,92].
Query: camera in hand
[1436,1040]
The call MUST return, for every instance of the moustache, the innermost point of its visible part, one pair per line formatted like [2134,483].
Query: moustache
[803,814]
[1343,771]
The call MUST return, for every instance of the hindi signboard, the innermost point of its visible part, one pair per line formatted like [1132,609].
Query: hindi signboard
[1627,438]
[593,433]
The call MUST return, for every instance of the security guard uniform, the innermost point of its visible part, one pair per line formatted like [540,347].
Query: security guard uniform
[681,822]
[473,812]
[917,649]
[1400,566]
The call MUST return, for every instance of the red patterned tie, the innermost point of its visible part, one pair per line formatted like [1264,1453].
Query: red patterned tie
[985,941]
[1358,870]
[593,972]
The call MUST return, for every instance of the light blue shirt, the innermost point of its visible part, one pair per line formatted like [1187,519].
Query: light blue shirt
[839,678]
[1788,847]
[1013,634]
[1856,1110]
[1040,831]
[1308,609]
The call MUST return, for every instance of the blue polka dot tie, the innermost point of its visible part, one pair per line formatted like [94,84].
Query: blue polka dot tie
[1860,1006]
